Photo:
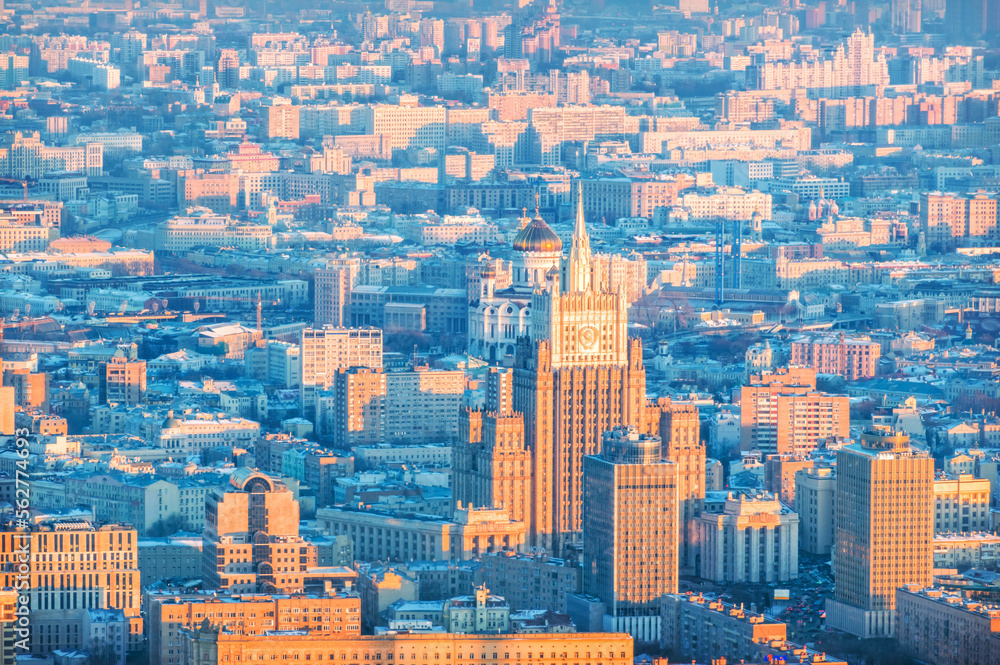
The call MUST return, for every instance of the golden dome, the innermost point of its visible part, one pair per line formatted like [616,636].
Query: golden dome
[536,236]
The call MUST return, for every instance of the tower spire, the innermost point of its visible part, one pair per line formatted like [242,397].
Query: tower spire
[580,268]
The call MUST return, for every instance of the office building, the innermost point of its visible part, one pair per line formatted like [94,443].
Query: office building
[630,531]
[680,432]
[213,646]
[251,540]
[754,540]
[473,532]
[249,615]
[93,567]
[884,528]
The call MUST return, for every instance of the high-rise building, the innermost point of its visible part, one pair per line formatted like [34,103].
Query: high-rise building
[782,413]
[577,376]
[7,403]
[815,488]
[971,18]
[906,16]
[949,220]
[327,350]
[333,286]
[422,405]
[353,412]
[492,463]
[884,530]
[680,432]
[630,531]
[251,540]
[282,119]
[122,381]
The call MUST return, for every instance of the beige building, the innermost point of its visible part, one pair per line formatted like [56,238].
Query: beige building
[949,220]
[72,567]
[884,528]
[961,504]
[282,119]
[935,626]
[327,350]
[815,490]
[491,466]
[123,381]
[779,475]
[479,613]
[213,647]
[755,540]
[201,226]
[853,358]
[961,551]
[381,537]
[333,285]
[422,405]
[352,412]
[630,530]
[409,125]
[249,616]
[782,413]
[251,539]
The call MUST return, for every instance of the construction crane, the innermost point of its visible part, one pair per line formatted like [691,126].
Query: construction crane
[19,181]
[260,304]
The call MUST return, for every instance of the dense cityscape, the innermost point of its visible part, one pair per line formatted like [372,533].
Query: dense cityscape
[482,332]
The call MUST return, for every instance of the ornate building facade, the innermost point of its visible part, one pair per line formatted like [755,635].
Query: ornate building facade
[576,376]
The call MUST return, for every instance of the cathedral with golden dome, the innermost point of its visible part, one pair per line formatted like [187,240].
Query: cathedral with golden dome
[498,317]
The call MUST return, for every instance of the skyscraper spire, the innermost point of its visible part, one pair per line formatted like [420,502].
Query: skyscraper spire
[580,269]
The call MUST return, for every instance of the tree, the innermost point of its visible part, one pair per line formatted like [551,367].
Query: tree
[167,526]
[863,410]
[102,652]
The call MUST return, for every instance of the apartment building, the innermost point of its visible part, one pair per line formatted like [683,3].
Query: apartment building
[937,626]
[854,358]
[961,503]
[327,350]
[422,405]
[782,413]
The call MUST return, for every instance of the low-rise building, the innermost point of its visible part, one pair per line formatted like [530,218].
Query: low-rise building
[935,626]
[755,540]
[382,536]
